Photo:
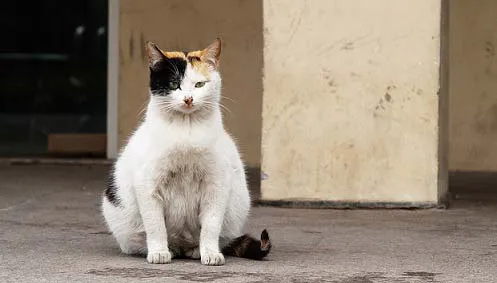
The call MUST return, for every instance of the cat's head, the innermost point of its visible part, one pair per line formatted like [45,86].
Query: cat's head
[185,82]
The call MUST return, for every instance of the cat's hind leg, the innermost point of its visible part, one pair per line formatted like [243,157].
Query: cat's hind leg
[193,253]
[126,227]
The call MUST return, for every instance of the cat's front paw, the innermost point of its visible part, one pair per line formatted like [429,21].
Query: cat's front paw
[159,257]
[212,258]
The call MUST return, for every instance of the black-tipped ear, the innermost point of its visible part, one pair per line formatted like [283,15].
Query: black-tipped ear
[155,55]
[212,52]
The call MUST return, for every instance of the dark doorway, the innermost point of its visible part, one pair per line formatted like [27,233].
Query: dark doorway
[53,75]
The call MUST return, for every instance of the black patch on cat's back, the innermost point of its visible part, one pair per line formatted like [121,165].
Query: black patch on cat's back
[166,71]
[111,192]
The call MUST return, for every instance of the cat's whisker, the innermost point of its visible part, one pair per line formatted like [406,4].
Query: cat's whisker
[164,106]
[228,98]
[214,105]
[222,107]
[167,109]
[226,108]
[143,108]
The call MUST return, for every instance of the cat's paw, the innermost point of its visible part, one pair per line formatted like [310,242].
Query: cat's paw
[212,258]
[159,257]
[193,253]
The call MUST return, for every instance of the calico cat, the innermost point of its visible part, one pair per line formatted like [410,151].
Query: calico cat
[178,188]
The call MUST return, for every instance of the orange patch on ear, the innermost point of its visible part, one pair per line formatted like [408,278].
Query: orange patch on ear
[195,58]
[203,60]
[174,54]
[197,53]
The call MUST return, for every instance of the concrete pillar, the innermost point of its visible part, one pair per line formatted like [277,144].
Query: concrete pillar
[352,111]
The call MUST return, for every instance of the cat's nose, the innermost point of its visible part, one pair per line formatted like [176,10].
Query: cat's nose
[188,100]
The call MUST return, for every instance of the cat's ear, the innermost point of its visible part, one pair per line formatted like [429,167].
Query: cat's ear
[155,55]
[212,52]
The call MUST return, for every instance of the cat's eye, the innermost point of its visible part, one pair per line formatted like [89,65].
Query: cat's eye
[173,85]
[199,84]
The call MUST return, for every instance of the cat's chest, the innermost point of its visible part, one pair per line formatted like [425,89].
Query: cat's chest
[185,159]
[181,192]
[185,168]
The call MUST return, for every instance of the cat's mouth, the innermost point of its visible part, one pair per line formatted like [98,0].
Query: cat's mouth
[188,108]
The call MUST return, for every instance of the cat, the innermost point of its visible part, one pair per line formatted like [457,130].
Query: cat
[178,187]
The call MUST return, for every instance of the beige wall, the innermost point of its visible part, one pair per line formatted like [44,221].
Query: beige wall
[350,104]
[473,85]
[191,25]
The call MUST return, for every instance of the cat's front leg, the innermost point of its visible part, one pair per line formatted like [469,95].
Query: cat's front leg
[213,207]
[152,213]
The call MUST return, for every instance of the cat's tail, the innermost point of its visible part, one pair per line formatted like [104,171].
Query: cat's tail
[247,247]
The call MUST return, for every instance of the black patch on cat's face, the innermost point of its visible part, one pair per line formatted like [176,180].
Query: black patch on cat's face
[166,71]
[111,192]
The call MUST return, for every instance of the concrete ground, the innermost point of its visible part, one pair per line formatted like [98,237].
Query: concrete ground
[51,231]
